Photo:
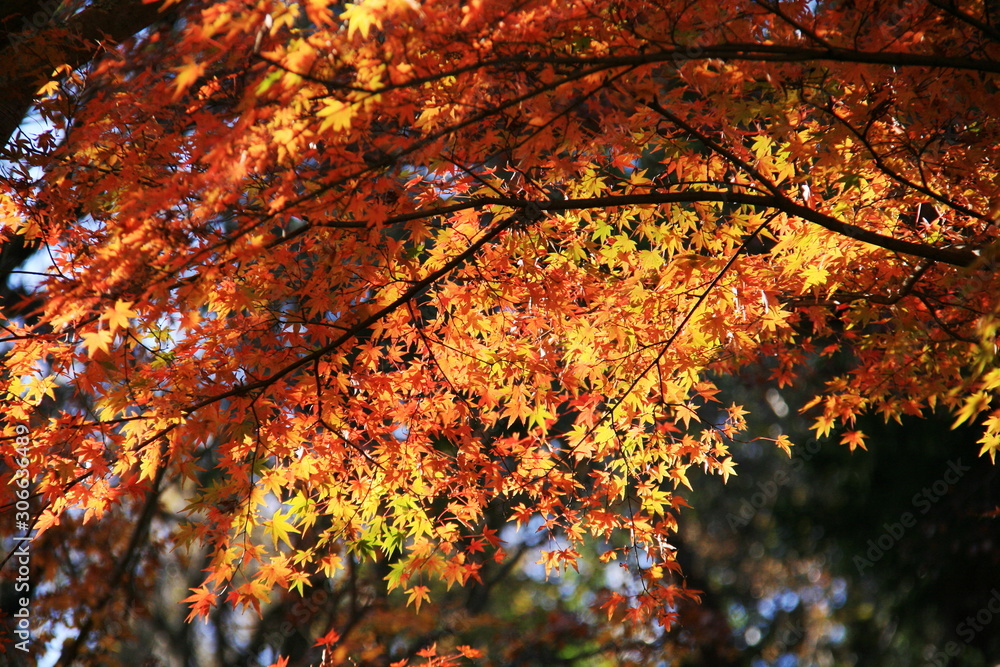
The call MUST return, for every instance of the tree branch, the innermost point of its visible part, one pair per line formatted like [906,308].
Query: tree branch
[139,535]
[952,256]
[530,209]
[26,61]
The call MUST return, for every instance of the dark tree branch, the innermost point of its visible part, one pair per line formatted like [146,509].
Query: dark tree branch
[26,60]
[124,565]
[953,256]
[952,9]
[365,322]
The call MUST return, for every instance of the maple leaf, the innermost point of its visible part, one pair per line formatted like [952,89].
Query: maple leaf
[727,468]
[275,572]
[118,315]
[854,439]
[972,406]
[468,651]
[416,595]
[279,528]
[47,519]
[783,442]
[991,444]
[187,74]
[319,12]
[250,594]
[991,438]
[97,341]
[399,279]
[679,476]
[336,116]
[361,17]
[330,638]
[202,601]
[824,424]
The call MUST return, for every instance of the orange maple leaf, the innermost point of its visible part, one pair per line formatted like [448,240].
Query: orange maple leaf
[854,439]
[416,596]
[202,601]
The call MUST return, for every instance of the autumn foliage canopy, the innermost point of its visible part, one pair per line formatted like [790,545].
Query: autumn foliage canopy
[373,280]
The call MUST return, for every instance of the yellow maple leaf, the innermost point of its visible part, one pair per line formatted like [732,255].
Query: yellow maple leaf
[823,425]
[814,275]
[679,476]
[336,116]
[973,406]
[117,316]
[785,444]
[991,439]
[97,340]
[417,595]
[360,18]
[727,468]
[187,74]
[991,444]
[279,527]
